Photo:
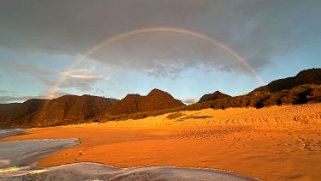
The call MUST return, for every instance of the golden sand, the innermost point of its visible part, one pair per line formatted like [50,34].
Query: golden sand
[275,143]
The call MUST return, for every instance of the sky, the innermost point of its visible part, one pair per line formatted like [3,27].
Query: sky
[188,48]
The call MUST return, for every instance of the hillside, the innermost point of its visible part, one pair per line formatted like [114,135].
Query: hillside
[310,76]
[154,101]
[70,109]
[305,93]
[213,96]
[62,110]
[21,114]
[302,88]
[7,107]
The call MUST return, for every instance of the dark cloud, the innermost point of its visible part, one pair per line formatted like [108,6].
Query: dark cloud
[258,29]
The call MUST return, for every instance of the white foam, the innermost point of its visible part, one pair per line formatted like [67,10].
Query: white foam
[96,172]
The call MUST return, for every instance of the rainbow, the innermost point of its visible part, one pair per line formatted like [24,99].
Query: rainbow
[118,37]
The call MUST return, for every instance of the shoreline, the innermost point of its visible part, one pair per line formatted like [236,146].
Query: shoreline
[28,153]
[275,143]
[19,159]
[96,171]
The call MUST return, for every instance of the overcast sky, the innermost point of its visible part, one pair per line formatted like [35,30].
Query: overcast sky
[41,39]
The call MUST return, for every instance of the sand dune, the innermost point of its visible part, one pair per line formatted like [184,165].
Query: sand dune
[274,143]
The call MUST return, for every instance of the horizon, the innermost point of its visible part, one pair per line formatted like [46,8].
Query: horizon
[185,48]
[186,102]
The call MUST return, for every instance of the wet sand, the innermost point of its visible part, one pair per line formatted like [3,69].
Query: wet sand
[275,143]
[10,132]
[28,152]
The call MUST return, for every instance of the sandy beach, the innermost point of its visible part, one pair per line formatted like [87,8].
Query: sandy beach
[274,143]
[160,90]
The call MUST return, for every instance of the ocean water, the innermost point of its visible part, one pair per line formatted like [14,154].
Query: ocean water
[10,132]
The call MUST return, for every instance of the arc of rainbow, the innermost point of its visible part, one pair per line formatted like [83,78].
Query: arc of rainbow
[118,37]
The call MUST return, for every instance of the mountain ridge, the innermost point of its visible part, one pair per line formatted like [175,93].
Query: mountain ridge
[38,112]
[213,96]
[155,100]
[70,109]
[308,76]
